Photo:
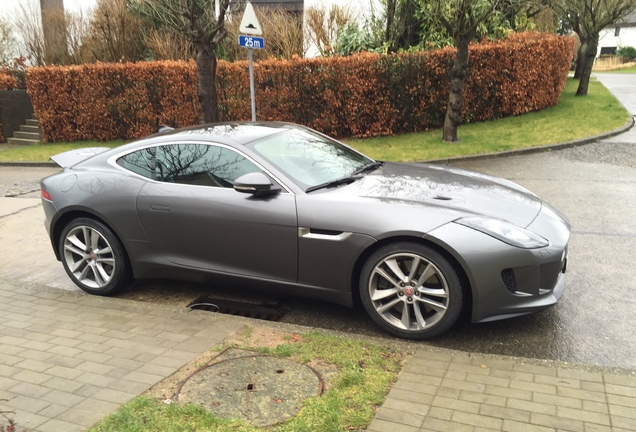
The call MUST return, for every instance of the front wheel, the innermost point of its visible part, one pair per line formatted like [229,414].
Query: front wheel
[411,291]
[93,257]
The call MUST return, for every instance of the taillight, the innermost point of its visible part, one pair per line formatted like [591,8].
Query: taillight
[46,195]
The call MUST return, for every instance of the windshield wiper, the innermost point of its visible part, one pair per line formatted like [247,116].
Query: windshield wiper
[368,167]
[333,183]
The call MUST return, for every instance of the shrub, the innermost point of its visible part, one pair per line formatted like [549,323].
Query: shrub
[363,95]
[628,52]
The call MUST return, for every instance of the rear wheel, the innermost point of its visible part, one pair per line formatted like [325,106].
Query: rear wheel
[93,257]
[411,290]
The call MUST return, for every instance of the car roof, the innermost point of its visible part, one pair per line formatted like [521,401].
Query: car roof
[228,133]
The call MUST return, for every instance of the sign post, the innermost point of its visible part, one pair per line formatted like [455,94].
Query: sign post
[250,26]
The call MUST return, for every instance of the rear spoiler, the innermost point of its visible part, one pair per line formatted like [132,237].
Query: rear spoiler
[72,157]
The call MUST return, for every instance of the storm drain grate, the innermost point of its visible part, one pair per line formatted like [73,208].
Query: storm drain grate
[229,307]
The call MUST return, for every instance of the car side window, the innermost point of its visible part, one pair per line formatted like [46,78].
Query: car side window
[140,162]
[201,165]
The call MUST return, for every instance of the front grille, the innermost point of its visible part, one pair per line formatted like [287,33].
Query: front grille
[509,280]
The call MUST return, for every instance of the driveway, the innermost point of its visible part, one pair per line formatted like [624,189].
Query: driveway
[594,323]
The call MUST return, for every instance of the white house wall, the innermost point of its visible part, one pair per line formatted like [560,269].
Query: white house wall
[625,38]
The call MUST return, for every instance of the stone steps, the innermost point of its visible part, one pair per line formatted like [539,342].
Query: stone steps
[29,133]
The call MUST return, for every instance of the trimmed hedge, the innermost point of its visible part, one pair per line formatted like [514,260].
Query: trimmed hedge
[106,101]
[363,95]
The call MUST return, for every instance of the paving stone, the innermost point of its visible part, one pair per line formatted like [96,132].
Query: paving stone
[410,396]
[53,410]
[81,417]
[111,395]
[379,425]
[28,420]
[482,398]
[63,398]
[27,404]
[399,417]
[505,413]
[621,390]
[531,406]
[143,378]
[477,420]
[59,425]
[623,422]
[32,377]
[455,404]
[440,413]
[406,406]
[565,424]
[97,406]
[33,354]
[64,361]
[129,386]
[31,390]
[63,384]
[440,425]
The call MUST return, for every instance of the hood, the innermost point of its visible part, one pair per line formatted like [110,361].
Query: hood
[451,188]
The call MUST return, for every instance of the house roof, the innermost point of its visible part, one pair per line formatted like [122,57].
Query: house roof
[628,20]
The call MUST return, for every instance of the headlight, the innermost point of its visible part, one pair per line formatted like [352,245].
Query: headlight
[505,231]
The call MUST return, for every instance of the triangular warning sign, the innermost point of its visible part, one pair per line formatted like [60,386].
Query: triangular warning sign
[249,23]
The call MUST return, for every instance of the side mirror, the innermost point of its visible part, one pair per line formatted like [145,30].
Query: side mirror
[255,183]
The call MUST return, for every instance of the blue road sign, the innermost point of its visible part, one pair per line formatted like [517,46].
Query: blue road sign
[251,42]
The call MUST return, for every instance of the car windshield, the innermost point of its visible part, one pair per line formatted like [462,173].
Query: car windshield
[310,159]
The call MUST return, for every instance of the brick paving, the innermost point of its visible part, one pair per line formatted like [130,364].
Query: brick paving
[460,392]
[68,359]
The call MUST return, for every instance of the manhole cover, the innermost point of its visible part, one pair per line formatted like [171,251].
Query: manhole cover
[229,307]
[261,389]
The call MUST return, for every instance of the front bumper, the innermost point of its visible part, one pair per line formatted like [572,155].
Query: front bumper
[507,281]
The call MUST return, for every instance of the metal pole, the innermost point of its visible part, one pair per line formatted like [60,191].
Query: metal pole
[249,54]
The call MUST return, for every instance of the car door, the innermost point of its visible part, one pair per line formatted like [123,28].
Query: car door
[195,218]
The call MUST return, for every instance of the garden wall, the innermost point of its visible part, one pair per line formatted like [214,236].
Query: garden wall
[7,82]
[363,95]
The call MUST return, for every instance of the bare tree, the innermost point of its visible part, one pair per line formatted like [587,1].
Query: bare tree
[28,25]
[198,21]
[461,18]
[588,18]
[322,26]
[115,33]
[7,42]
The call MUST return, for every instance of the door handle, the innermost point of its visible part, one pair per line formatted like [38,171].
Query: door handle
[157,207]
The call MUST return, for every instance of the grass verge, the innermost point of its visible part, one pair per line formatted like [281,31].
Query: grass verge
[43,151]
[365,374]
[573,118]
[629,70]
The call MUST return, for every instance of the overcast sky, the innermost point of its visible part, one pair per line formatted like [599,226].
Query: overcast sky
[8,7]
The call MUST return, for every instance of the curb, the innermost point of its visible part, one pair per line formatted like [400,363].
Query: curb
[540,149]
[29,164]
[530,150]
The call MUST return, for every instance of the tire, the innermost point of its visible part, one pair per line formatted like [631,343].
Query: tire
[93,257]
[411,291]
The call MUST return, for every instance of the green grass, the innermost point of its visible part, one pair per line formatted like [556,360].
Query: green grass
[630,70]
[366,372]
[574,117]
[43,151]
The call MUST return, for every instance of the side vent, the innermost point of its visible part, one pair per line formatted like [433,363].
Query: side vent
[509,280]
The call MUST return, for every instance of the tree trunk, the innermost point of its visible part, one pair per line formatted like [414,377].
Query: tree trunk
[586,70]
[580,61]
[388,32]
[455,97]
[206,83]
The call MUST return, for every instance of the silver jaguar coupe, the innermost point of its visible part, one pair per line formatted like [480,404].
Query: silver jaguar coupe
[289,209]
